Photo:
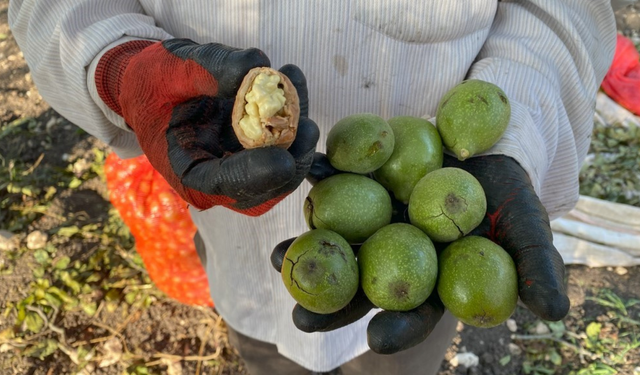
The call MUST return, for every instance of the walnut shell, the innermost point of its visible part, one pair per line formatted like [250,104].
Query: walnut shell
[279,130]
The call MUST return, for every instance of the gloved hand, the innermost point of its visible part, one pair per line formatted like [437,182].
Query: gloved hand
[515,219]
[177,96]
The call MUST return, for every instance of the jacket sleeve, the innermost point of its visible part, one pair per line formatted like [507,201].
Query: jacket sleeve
[61,39]
[549,56]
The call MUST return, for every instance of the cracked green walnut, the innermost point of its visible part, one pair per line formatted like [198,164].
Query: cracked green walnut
[320,271]
[447,204]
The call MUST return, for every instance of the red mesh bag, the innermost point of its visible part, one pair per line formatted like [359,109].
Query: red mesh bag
[622,81]
[162,227]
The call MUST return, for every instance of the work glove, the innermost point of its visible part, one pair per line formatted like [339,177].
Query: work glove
[515,220]
[177,97]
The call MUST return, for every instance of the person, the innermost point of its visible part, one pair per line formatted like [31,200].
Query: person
[159,78]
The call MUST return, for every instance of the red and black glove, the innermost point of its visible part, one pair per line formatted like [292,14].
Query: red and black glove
[515,219]
[177,96]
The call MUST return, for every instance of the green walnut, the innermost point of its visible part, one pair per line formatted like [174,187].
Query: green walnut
[320,271]
[477,282]
[472,117]
[352,205]
[398,267]
[447,204]
[417,151]
[360,143]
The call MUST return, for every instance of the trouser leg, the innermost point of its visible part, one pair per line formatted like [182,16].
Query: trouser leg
[262,358]
[424,358]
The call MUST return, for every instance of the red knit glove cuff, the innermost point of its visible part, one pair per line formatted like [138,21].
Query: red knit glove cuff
[111,68]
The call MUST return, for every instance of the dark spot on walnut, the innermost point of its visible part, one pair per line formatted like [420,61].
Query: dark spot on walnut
[400,289]
[312,266]
[375,147]
[454,204]
[329,249]
[483,319]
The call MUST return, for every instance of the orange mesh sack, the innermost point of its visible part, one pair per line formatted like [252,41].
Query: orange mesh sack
[160,222]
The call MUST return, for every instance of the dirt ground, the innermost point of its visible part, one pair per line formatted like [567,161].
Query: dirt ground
[179,331]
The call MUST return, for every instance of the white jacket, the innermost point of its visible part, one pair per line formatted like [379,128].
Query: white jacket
[390,57]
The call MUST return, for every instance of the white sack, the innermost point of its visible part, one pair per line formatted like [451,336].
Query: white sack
[599,233]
